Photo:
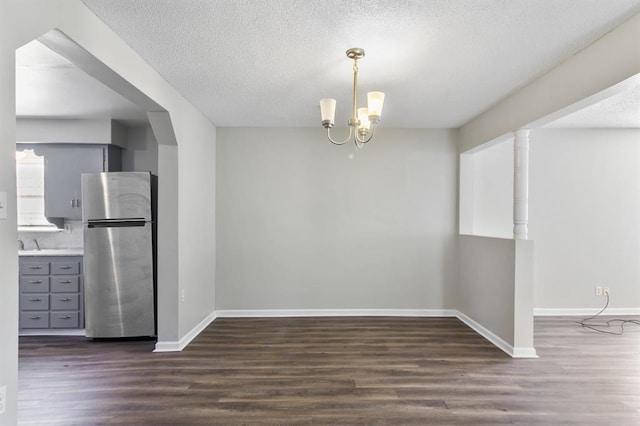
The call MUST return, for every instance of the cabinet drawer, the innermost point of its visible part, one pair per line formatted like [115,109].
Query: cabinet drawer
[65,320]
[65,268]
[32,284]
[35,268]
[34,302]
[34,320]
[65,302]
[60,284]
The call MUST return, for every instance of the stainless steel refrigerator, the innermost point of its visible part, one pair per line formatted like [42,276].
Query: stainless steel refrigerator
[117,218]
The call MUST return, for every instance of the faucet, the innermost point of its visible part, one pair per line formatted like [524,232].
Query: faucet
[20,244]
[37,245]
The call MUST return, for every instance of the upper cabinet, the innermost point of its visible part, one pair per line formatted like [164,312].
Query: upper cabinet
[64,165]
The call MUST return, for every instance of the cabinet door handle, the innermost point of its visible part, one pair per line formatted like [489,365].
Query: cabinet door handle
[65,299]
[73,203]
[35,267]
[64,282]
[65,317]
[35,318]
[35,282]
[78,202]
[35,299]
[65,267]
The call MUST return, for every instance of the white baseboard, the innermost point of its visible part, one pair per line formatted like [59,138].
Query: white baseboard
[514,352]
[520,352]
[177,346]
[276,313]
[549,312]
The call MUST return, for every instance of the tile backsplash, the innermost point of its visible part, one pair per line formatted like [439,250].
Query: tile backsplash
[54,240]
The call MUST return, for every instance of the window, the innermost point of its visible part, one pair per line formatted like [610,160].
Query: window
[30,189]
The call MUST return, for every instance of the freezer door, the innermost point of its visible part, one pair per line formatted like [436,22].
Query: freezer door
[116,195]
[118,278]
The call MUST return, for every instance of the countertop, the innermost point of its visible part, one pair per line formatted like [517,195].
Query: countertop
[52,252]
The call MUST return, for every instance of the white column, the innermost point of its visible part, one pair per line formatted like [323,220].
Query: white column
[521,185]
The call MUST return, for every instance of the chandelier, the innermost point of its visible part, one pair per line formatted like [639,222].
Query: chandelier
[362,124]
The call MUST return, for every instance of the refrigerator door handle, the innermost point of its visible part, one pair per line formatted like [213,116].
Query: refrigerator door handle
[116,223]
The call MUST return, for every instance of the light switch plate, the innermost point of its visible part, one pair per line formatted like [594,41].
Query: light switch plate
[3,205]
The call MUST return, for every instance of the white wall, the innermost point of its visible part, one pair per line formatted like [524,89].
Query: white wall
[8,238]
[303,225]
[585,217]
[197,191]
[141,154]
[493,191]
[584,213]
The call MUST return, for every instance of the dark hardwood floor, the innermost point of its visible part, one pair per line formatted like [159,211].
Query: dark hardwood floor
[335,371]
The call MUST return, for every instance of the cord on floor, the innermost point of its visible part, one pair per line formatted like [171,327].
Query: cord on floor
[606,324]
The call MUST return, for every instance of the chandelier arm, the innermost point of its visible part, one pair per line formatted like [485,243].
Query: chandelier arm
[373,133]
[339,143]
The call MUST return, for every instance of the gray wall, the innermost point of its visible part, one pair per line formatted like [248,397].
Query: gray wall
[584,213]
[486,288]
[141,154]
[585,217]
[8,237]
[304,224]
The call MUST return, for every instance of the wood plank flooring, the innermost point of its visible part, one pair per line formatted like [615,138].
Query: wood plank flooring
[301,371]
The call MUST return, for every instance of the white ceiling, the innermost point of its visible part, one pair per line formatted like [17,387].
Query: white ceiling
[619,111]
[48,85]
[268,62]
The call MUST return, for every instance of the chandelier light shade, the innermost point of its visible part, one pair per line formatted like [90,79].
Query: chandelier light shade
[328,111]
[362,124]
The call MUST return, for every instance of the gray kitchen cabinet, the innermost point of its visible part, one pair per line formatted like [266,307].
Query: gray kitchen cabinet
[64,165]
[51,292]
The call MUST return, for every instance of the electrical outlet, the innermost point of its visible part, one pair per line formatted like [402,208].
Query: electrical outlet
[598,291]
[606,291]
[182,295]
[3,398]
[67,228]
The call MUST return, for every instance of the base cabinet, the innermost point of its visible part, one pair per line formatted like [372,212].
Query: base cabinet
[51,292]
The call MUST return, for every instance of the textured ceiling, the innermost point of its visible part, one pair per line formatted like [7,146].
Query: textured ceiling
[619,111]
[48,85]
[441,63]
